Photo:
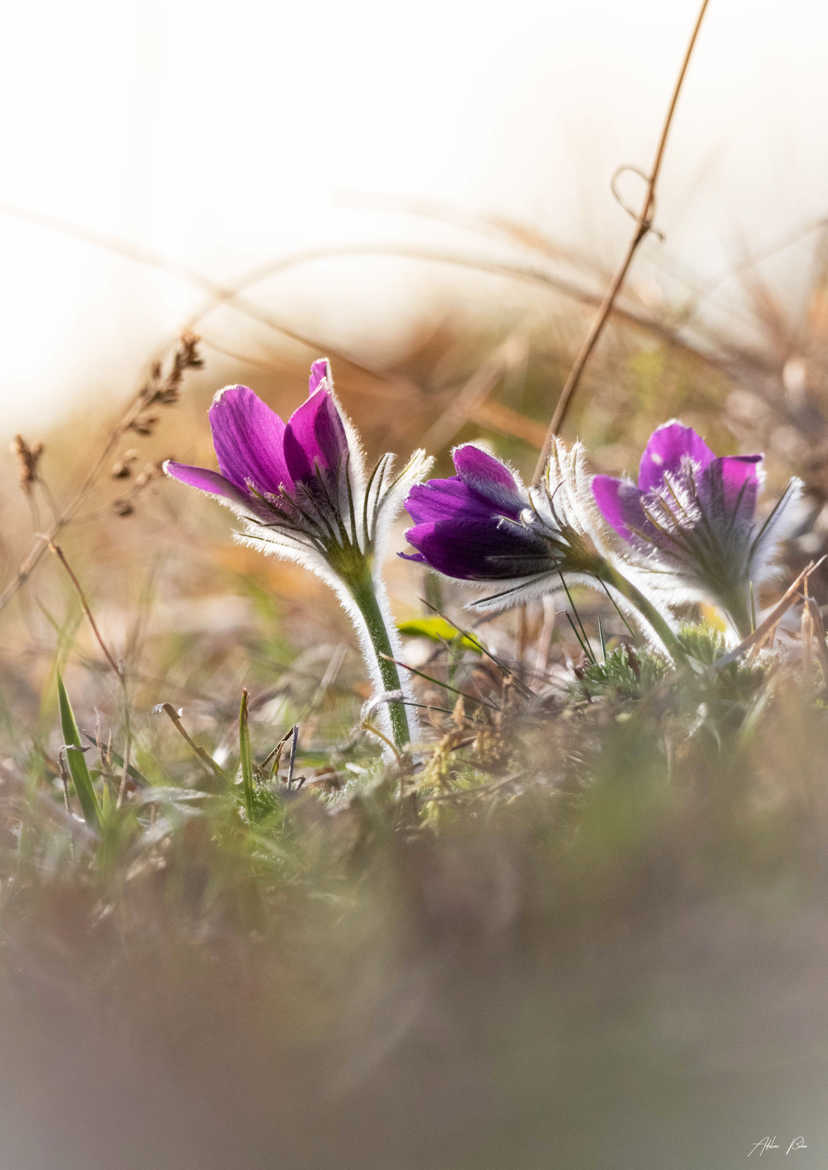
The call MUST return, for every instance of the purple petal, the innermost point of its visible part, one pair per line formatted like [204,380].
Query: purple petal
[479,549]
[210,482]
[666,450]
[738,473]
[489,478]
[249,440]
[729,486]
[444,499]
[320,369]
[315,434]
[619,501]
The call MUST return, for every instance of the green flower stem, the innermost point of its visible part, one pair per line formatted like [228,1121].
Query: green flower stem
[736,605]
[365,597]
[648,611]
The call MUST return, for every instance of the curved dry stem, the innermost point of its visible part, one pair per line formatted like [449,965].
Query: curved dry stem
[643,226]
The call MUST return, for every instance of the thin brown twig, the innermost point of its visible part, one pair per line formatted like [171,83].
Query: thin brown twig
[818,627]
[203,757]
[61,556]
[643,226]
[512,269]
[766,628]
[499,417]
[232,293]
[119,669]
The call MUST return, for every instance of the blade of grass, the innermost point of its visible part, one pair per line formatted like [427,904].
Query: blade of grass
[82,781]
[574,617]
[446,686]
[245,761]
[118,760]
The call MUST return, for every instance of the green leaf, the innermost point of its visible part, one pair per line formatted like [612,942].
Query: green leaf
[82,781]
[438,630]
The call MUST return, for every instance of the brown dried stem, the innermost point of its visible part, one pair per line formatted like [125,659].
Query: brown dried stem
[643,226]
[157,390]
[61,556]
[218,294]
[117,667]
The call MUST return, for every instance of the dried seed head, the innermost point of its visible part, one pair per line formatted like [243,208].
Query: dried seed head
[122,469]
[27,460]
[144,424]
[163,390]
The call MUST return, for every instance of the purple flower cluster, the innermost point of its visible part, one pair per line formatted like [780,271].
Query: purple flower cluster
[687,530]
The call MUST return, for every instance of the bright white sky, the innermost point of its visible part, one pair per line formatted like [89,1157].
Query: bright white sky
[224,135]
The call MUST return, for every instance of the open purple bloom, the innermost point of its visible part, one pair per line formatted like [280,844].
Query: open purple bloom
[691,520]
[482,525]
[302,492]
[300,486]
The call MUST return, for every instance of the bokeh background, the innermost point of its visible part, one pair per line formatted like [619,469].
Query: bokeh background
[425,195]
[216,144]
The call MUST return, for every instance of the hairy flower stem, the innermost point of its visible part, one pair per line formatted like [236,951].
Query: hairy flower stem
[364,594]
[736,605]
[611,576]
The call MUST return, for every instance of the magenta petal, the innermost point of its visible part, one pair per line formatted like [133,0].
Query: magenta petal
[478,549]
[729,486]
[738,472]
[443,499]
[206,481]
[249,440]
[489,478]
[620,503]
[315,434]
[320,369]
[665,451]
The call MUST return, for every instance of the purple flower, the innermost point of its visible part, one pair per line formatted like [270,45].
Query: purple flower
[482,525]
[691,520]
[300,486]
[302,492]
[470,526]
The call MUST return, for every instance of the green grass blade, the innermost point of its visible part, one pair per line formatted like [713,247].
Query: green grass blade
[246,762]
[75,760]
[118,760]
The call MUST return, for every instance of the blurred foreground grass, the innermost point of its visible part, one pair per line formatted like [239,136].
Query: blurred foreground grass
[600,942]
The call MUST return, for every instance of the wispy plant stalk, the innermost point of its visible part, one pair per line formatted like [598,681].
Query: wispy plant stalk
[643,226]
